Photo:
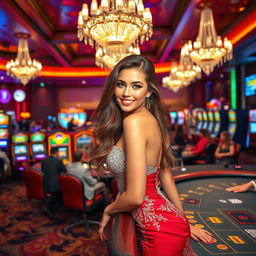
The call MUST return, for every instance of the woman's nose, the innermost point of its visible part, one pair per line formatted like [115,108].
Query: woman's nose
[126,91]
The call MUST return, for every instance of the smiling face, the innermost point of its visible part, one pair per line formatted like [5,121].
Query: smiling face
[131,90]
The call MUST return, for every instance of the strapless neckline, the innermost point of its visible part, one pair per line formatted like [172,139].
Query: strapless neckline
[123,151]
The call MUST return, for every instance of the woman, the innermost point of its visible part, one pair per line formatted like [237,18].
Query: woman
[132,138]
[226,149]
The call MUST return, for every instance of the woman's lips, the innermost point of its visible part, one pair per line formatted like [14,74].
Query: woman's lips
[126,102]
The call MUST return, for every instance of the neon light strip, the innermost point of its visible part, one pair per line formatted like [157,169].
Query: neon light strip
[242,28]
[233,88]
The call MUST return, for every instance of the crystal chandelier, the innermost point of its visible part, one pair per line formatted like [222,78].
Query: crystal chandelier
[172,82]
[115,25]
[105,61]
[208,50]
[186,71]
[23,68]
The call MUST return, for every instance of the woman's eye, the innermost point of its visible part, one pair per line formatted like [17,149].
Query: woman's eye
[137,86]
[119,84]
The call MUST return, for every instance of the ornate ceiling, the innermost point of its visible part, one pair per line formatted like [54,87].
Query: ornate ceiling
[52,25]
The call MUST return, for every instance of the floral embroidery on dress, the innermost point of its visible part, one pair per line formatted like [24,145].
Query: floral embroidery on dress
[169,207]
[145,215]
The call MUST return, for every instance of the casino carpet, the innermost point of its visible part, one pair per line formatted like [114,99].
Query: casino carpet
[26,231]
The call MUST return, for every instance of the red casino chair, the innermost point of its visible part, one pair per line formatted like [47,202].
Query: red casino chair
[34,181]
[237,150]
[73,197]
[123,238]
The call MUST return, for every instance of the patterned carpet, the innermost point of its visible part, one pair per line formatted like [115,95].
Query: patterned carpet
[26,231]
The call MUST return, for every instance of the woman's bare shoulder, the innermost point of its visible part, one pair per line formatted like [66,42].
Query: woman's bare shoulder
[138,120]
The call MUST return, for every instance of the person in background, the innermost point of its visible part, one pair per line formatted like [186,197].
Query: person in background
[225,151]
[199,148]
[91,184]
[179,140]
[71,125]
[52,167]
[251,185]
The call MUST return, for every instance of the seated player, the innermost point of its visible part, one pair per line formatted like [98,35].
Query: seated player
[179,140]
[52,167]
[91,184]
[199,149]
[225,151]
[251,185]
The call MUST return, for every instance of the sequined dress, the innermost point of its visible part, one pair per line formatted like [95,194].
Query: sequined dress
[163,229]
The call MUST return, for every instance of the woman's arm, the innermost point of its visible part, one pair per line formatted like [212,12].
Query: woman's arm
[135,147]
[217,152]
[231,151]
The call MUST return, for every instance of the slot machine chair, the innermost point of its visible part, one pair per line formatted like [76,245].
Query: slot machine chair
[209,155]
[34,180]
[72,189]
[123,238]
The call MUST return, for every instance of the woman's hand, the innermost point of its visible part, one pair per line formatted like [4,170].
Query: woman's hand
[240,188]
[201,234]
[104,221]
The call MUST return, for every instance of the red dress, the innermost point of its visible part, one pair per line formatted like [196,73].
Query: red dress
[163,229]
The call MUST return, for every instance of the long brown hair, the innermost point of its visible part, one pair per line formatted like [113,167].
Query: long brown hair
[227,139]
[109,117]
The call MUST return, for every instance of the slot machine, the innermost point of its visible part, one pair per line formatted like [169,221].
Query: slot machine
[83,141]
[217,124]
[174,117]
[20,150]
[210,122]
[252,127]
[199,124]
[181,118]
[232,123]
[61,141]
[65,115]
[205,120]
[38,146]
[238,126]
[4,132]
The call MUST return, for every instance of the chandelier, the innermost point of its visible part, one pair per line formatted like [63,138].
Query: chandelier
[186,71]
[209,50]
[172,82]
[115,25]
[23,68]
[106,61]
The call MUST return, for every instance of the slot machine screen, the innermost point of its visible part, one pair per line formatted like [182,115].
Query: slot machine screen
[250,85]
[64,118]
[181,117]
[216,129]
[217,116]
[199,116]
[210,116]
[84,144]
[210,126]
[252,115]
[20,149]
[38,148]
[232,129]
[173,116]
[3,143]
[253,127]
[232,116]
[205,116]
[63,152]
[205,125]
